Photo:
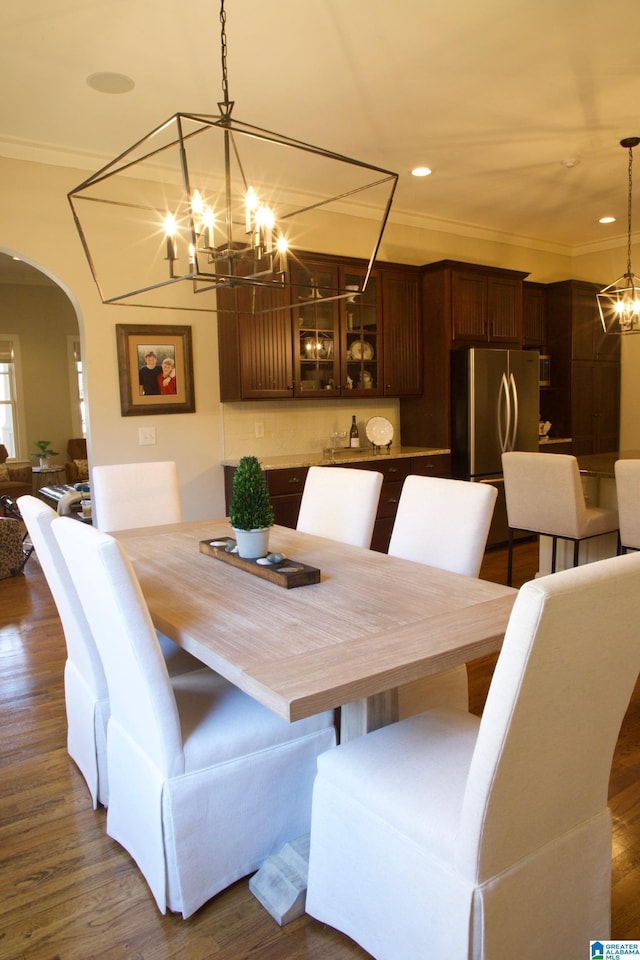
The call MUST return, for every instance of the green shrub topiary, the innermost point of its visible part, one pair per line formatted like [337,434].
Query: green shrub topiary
[250,507]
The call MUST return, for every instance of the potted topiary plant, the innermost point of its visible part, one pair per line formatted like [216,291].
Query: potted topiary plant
[250,510]
[44,452]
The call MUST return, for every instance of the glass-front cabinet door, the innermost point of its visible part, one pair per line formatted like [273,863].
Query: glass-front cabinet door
[337,342]
[316,330]
[362,339]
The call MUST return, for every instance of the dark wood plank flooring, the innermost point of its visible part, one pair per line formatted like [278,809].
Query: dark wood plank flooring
[71,893]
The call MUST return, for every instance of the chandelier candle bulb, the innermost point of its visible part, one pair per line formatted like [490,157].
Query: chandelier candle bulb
[208,222]
[172,243]
[250,205]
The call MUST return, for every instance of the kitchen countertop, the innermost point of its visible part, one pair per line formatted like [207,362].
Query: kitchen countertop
[344,455]
[602,464]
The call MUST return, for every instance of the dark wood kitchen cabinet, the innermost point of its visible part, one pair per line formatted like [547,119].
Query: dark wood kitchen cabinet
[319,347]
[254,350]
[463,304]
[316,337]
[534,315]
[337,344]
[485,303]
[584,400]
[402,332]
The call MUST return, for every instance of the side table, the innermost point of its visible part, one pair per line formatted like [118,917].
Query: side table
[47,476]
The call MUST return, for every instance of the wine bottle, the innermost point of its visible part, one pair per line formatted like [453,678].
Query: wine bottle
[354,436]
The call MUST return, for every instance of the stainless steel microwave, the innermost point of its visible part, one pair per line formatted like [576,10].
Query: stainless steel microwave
[544,374]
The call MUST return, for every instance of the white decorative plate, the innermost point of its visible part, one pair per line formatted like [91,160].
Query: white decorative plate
[379,431]
[361,350]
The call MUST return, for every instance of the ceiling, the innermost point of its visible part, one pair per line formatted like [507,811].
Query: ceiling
[518,106]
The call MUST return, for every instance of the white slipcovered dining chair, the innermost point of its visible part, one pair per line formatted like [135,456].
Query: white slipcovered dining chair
[340,503]
[627,474]
[204,782]
[446,835]
[85,685]
[544,495]
[443,523]
[129,495]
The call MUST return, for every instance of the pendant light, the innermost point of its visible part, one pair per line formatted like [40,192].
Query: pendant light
[619,303]
[205,202]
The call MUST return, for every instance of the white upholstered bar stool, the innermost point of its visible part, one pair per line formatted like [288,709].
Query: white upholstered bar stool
[204,781]
[340,503]
[627,473]
[85,685]
[450,836]
[128,495]
[544,495]
[443,523]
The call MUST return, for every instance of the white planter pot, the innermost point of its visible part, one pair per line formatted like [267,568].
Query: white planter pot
[252,543]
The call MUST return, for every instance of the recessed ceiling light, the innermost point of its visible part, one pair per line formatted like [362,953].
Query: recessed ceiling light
[420,172]
[110,82]
[607,220]
[570,162]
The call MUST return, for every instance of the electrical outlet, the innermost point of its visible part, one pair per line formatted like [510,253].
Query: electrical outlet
[146,436]
[259,429]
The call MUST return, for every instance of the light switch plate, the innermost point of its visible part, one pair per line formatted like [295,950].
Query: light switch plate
[146,436]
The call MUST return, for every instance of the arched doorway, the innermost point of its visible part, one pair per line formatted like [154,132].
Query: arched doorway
[40,331]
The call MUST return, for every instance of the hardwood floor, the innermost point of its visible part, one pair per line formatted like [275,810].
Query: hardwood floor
[71,893]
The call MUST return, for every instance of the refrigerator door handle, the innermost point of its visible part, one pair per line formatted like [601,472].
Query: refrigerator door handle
[504,414]
[514,394]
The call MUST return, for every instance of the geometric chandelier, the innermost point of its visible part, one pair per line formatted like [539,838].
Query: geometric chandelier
[205,202]
[619,303]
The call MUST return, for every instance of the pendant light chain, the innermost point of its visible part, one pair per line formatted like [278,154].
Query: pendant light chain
[223,56]
[629,212]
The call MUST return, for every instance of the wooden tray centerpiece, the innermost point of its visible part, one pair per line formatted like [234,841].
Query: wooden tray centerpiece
[274,567]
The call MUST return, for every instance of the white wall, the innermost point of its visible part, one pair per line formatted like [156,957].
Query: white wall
[37,224]
[43,318]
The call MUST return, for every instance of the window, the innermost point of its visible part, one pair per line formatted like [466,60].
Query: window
[11,419]
[76,385]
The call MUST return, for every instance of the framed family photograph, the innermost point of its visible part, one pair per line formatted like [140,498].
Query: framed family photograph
[155,367]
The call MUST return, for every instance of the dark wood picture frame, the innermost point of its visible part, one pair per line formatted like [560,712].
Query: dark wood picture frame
[165,341]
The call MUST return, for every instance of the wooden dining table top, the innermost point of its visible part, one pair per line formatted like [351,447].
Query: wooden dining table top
[371,624]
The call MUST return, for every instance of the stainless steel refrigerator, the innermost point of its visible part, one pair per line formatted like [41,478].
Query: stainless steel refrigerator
[494,408]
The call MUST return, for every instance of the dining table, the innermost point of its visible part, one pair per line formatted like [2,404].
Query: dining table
[372,622]
[369,624]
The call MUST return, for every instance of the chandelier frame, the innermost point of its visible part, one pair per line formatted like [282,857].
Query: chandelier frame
[179,219]
[619,303]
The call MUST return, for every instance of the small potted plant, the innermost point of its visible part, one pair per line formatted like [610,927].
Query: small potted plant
[44,452]
[250,510]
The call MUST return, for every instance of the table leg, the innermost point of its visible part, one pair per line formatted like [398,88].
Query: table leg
[281,882]
[362,716]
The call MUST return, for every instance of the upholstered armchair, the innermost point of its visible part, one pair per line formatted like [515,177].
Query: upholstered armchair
[15,481]
[77,466]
